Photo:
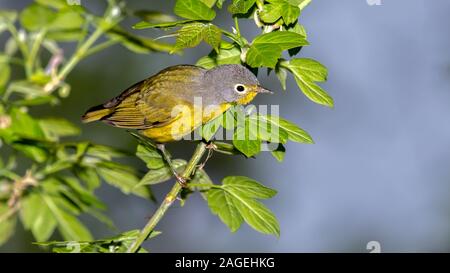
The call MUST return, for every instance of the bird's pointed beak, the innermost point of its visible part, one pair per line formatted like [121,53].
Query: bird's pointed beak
[261,89]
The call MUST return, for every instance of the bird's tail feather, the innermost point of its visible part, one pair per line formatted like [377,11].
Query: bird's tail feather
[96,113]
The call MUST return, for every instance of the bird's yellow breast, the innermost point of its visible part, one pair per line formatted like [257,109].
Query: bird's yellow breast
[188,118]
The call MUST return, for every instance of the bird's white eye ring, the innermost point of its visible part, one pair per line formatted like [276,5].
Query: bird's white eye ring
[239,88]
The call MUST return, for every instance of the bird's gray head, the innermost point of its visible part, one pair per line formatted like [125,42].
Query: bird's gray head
[233,83]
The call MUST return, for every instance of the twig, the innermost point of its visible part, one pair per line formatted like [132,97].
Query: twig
[168,200]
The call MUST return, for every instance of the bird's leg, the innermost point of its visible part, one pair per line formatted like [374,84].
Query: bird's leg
[211,147]
[166,157]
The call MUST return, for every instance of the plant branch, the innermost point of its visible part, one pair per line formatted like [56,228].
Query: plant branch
[168,200]
[30,59]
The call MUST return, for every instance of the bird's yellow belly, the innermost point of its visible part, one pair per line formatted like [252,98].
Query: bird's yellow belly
[187,120]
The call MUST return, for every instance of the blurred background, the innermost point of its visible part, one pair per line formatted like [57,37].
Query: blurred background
[379,170]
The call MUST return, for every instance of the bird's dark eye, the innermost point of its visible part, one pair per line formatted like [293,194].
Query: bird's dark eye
[239,88]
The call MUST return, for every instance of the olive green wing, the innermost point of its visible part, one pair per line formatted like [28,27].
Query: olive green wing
[149,103]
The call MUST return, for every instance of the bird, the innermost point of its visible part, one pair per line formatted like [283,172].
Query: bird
[178,99]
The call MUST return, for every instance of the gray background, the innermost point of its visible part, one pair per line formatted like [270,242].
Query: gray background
[379,169]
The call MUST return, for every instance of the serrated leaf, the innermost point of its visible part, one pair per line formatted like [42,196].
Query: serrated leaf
[212,36]
[268,128]
[293,132]
[116,244]
[209,3]
[35,17]
[247,187]
[224,56]
[209,129]
[266,49]
[89,176]
[150,156]
[122,177]
[57,4]
[191,35]
[281,74]
[257,215]
[68,225]
[136,43]
[221,205]
[306,72]
[245,139]
[161,175]
[144,25]
[279,153]
[194,10]
[280,8]
[58,127]
[234,202]
[37,217]
[7,226]
[241,6]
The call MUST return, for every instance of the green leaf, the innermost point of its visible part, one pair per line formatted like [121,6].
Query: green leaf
[8,16]
[57,4]
[89,176]
[224,56]
[122,177]
[279,153]
[24,125]
[68,225]
[212,35]
[102,152]
[234,202]
[116,244]
[247,187]
[35,17]
[191,35]
[209,129]
[306,73]
[155,17]
[281,74]
[280,8]
[58,127]
[241,6]
[266,49]
[294,132]
[209,3]
[245,139]
[5,71]
[7,226]
[194,10]
[144,25]
[220,203]
[66,19]
[135,43]
[37,217]
[257,215]
[150,156]
[267,128]
[162,174]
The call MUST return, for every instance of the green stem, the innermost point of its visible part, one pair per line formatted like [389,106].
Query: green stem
[22,46]
[100,47]
[34,51]
[168,200]
[236,23]
[79,54]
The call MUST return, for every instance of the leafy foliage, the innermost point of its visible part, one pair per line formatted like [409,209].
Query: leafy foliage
[62,176]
